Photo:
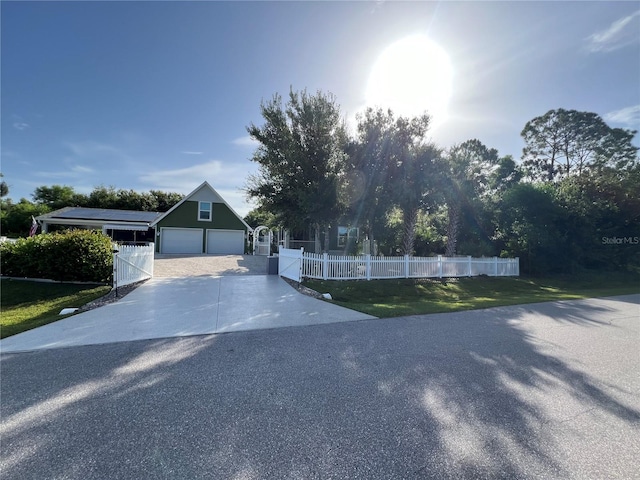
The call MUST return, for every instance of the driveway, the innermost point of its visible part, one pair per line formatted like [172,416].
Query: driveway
[526,392]
[197,265]
[184,306]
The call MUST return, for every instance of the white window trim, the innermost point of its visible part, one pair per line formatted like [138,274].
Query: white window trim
[210,212]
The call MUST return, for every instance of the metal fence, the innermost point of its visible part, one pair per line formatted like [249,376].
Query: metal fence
[132,263]
[299,264]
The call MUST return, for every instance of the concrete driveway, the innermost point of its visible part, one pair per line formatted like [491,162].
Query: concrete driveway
[218,265]
[183,306]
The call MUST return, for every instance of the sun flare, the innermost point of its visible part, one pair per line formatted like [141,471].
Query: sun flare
[411,76]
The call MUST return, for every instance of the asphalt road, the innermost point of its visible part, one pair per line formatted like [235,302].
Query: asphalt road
[536,391]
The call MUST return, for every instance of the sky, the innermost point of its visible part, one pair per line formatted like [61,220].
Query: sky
[157,95]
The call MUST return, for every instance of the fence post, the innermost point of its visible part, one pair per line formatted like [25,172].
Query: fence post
[368,265]
[495,266]
[469,260]
[325,265]
[439,266]
[115,268]
[406,266]
[300,264]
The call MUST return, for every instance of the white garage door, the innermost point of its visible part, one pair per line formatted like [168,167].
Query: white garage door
[181,240]
[225,242]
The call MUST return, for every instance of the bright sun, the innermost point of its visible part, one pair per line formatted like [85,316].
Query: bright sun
[411,76]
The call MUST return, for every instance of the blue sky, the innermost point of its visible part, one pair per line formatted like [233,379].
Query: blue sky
[157,95]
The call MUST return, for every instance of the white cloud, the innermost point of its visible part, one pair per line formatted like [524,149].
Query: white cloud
[182,180]
[226,177]
[188,152]
[82,169]
[619,34]
[87,162]
[95,151]
[246,141]
[21,125]
[74,172]
[236,200]
[625,116]
[62,174]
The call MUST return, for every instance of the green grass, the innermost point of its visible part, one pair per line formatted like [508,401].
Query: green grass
[393,298]
[26,305]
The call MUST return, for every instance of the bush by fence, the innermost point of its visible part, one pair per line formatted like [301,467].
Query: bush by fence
[78,255]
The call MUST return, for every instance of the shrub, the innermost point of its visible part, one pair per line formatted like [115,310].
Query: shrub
[77,255]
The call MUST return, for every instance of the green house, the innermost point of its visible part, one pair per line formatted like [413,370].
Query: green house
[202,223]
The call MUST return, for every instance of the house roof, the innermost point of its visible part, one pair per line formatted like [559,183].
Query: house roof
[99,215]
[187,197]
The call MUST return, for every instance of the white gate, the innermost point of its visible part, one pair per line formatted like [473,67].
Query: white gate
[132,264]
[262,238]
[290,263]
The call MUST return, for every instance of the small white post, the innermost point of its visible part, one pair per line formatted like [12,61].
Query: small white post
[469,260]
[439,266]
[300,264]
[325,265]
[368,265]
[495,266]
[406,266]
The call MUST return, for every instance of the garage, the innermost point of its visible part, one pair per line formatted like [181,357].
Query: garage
[181,240]
[225,242]
[202,222]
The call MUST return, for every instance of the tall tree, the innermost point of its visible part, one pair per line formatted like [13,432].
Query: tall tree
[568,142]
[366,183]
[413,171]
[132,200]
[60,196]
[471,172]
[164,201]
[57,196]
[15,218]
[258,216]
[532,227]
[103,197]
[391,164]
[4,188]
[301,158]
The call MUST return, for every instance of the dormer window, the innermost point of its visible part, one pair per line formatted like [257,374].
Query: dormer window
[204,211]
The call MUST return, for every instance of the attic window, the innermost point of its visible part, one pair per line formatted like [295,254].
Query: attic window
[204,211]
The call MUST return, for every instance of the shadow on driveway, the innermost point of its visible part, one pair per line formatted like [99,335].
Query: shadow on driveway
[537,391]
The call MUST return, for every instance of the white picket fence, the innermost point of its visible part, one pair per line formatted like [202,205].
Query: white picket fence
[297,264]
[132,264]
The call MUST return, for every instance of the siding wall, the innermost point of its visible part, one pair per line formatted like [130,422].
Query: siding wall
[186,216]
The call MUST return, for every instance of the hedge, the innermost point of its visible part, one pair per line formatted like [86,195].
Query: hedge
[76,255]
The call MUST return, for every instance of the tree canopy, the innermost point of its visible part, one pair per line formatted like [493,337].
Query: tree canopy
[301,159]
[563,142]
[59,196]
[4,188]
[16,219]
[575,186]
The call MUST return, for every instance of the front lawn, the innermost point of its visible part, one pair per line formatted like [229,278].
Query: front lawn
[394,298]
[26,304]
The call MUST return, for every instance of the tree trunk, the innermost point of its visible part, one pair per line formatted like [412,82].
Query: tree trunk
[372,241]
[409,221]
[317,245]
[453,214]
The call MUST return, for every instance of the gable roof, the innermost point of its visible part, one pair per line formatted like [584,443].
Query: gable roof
[204,184]
[100,215]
